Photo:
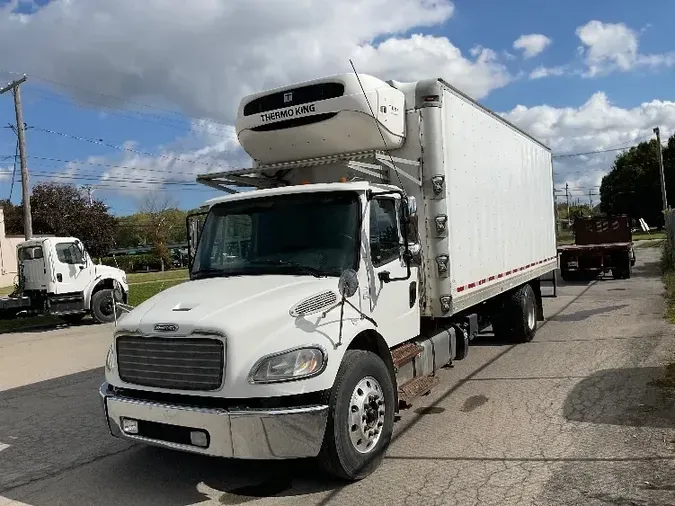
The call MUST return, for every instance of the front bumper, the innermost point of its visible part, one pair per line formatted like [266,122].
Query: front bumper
[245,434]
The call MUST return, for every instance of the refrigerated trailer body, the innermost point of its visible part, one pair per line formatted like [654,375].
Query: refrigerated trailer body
[391,222]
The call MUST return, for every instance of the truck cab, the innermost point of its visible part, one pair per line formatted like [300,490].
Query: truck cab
[57,276]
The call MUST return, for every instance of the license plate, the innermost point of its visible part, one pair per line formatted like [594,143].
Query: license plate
[572,263]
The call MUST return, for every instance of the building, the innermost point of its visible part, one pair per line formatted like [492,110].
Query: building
[8,262]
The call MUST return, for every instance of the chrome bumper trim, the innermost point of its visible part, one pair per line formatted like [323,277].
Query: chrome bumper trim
[244,434]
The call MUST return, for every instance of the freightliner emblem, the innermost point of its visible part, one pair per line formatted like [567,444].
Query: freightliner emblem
[166,327]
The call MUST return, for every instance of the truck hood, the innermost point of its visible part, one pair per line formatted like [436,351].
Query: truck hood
[233,306]
[110,272]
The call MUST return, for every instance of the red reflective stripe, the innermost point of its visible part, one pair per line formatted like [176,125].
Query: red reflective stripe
[502,274]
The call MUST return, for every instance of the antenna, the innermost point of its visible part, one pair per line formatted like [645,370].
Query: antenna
[379,129]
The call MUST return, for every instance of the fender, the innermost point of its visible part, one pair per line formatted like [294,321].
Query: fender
[104,281]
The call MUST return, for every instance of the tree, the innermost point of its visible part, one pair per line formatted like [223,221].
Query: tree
[164,223]
[633,185]
[63,210]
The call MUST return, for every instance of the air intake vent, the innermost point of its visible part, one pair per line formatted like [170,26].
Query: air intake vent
[314,304]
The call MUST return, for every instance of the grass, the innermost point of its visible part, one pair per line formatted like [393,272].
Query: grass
[142,292]
[142,287]
[667,381]
[568,238]
[145,277]
[650,244]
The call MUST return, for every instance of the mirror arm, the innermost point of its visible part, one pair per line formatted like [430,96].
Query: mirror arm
[407,254]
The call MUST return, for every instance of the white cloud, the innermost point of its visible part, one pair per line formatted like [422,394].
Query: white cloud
[596,125]
[532,45]
[203,56]
[541,71]
[608,47]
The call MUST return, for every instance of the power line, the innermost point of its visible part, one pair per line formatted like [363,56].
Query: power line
[108,95]
[107,165]
[101,142]
[165,121]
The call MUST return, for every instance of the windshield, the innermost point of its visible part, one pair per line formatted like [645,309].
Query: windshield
[313,233]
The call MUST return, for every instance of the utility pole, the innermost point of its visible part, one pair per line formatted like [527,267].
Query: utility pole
[27,217]
[663,179]
[590,200]
[567,196]
[90,190]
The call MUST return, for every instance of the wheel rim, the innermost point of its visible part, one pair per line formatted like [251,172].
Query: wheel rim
[106,306]
[531,313]
[366,415]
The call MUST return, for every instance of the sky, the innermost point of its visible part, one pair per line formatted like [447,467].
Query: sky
[133,97]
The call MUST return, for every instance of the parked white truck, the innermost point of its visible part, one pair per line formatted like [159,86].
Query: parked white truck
[56,276]
[391,222]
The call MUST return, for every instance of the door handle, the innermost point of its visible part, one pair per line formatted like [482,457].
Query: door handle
[384,276]
[59,277]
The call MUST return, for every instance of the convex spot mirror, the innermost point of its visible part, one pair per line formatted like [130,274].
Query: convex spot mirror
[348,283]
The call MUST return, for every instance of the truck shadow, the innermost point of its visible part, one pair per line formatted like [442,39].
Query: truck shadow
[36,325]
[55,449]
[622,397]
[584,314]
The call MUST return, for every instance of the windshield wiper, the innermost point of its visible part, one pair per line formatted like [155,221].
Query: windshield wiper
[309,270]
[209,273]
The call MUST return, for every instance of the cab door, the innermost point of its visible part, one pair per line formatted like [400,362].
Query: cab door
[71,267]
[394,305]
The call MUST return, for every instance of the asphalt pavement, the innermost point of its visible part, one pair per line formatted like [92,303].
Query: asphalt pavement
[568,419]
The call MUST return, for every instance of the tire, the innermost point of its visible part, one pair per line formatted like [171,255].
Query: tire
[362,373]
[101,306]
[626,271]
[517,321]
[73,319]
[565,275]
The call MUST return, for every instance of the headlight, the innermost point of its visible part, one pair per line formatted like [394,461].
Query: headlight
[290,365]
[110,359]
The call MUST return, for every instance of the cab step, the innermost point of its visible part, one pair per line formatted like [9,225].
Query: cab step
[414,388]
[405,353]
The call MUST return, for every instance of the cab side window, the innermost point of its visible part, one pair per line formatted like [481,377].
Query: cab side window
[69,253]
[384,239]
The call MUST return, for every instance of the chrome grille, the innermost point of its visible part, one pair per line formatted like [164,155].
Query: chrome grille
[314,304]
[178,363]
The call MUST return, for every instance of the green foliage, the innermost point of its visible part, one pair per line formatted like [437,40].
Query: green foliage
[137,229]
[134,263]
[633,185]
[63,210]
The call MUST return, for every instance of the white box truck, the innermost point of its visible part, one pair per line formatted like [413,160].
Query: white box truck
[382,226]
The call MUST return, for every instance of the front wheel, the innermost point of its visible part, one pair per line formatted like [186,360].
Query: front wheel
[360,419]
[102,308]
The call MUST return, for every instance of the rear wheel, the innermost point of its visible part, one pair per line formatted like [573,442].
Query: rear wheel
[360,418]
[517,320]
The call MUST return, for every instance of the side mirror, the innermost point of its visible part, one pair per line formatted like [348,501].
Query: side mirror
[412,207]
[348,283]
[414,254]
